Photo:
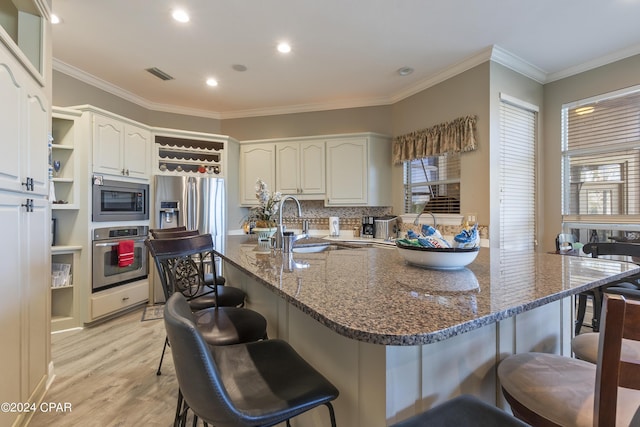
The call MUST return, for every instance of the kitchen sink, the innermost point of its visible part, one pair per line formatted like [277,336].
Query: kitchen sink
[310,249]
[323,247]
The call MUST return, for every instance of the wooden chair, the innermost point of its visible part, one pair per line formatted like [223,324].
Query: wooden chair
[553,390]
[262,383]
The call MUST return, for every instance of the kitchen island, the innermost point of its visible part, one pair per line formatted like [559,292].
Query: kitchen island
[397,339]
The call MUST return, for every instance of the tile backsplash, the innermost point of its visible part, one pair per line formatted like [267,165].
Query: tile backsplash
[318,215]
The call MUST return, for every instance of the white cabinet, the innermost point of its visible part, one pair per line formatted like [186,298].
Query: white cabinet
[120,148]
[25,225]
[24,312]
[24,123]
[359,171]
[300,169]
[256,161]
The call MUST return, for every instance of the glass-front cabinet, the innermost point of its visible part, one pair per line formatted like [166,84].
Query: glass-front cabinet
[22,30]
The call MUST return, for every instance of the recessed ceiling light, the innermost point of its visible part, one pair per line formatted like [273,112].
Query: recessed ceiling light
[284,47]
[55,19]
[212,82]
[239,67]
[405,71]
[180,15]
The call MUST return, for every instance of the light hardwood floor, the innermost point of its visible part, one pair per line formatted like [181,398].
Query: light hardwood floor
[108,375]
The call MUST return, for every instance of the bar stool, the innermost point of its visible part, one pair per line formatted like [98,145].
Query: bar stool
[465,410]
[261,383]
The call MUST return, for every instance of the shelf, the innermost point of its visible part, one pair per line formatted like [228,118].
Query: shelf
[55,146]
[67,180]
[65,249]
[64,207]
[53,288]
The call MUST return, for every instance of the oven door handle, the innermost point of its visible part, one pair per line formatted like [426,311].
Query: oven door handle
[103,245]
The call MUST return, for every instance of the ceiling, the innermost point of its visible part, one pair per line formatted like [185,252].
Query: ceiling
[345,53]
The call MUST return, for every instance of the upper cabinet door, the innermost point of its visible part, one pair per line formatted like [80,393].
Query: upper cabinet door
[347,168]
[312,168]
[108,137]
[256,161]
[10,118]
[36,166]
[300,169]
[288,168]
[137,151]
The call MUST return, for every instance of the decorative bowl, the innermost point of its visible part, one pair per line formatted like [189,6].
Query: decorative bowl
[438,258]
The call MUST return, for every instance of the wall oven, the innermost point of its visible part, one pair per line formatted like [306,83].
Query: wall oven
[119,200]
[107,269]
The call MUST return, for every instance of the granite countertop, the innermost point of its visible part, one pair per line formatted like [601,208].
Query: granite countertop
[369,293]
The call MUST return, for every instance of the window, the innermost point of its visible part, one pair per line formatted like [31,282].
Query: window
[601,166]
[518,135]
[435,181]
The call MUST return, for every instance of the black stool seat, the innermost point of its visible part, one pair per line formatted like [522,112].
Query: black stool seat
[228,296]
[230,325]
[462,411]
[260,383]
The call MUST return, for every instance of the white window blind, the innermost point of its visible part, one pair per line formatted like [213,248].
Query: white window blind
[518,136]
[434,179]
[601,164]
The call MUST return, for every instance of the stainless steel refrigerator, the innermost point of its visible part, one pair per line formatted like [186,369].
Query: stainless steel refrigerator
[197,202]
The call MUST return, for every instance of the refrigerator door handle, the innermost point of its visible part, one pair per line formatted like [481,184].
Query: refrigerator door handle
[191,204]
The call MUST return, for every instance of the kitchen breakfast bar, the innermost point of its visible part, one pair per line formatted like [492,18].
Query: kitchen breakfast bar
[397,339]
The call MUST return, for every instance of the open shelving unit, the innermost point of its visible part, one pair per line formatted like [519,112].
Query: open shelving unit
[66,247]
[189,156]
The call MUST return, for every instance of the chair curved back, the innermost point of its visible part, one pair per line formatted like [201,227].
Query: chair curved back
[197,374]
[164,234]
[172,229]
[181,263]
[621,319]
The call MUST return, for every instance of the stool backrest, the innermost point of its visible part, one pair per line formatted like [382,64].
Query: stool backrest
[172,229]
[196,371]
[617,248]
[621,319]
[181,263]
[163,234]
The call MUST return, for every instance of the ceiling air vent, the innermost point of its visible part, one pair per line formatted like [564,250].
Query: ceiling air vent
[159,73]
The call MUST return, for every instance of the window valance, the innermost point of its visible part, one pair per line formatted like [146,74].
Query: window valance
[453,137]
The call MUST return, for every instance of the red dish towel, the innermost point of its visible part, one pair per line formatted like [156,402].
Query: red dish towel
[125,253]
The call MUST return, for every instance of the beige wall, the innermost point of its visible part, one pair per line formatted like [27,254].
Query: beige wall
[462,95]
[475,91]
[508,82]
[349,120]
[68,91]
[608,78]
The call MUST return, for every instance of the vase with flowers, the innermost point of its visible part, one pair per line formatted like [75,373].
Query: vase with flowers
[264,215]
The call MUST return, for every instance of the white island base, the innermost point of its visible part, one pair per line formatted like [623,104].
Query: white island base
[380,385]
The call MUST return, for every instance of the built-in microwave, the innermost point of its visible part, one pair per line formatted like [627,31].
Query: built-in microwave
[120,201]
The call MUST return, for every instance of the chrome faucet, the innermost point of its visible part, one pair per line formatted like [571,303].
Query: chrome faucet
[278,236]
[430,213]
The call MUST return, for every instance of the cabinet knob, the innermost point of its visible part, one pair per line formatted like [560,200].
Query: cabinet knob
[125,299]
[28,183]
[127,172]
[28,205]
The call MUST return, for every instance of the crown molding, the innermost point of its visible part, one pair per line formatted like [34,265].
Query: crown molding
[460,67]
[517,64]
[598,62]
[92,80]
[492,53]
